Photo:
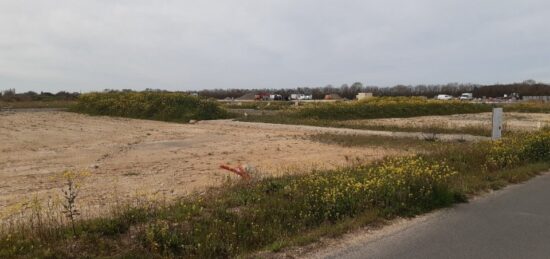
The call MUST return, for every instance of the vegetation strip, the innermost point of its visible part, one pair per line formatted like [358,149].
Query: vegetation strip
[350,114]
[271,213]
[176,107]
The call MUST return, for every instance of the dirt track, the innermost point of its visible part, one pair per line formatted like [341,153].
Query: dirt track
[129,158]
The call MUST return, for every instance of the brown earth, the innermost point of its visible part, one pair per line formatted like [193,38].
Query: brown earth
[129,158]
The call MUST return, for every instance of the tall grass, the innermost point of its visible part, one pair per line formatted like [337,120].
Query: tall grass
[532,107]
[244,217]
[396,107]
[177,107]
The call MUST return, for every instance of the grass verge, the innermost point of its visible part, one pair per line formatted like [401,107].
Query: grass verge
[290,120]
[408,144]
[244,217]
[529,107]
[386,107]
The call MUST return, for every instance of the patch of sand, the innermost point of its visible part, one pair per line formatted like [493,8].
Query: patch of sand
[128,157]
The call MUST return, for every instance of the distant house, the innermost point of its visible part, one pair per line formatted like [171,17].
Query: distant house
[333,97]
[261,97]
[363,96]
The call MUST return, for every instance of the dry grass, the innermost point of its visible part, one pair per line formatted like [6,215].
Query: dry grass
[274,212]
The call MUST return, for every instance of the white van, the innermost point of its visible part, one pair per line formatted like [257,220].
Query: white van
[467,96]
[444,97]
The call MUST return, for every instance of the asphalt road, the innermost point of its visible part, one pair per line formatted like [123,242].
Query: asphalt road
[512,223]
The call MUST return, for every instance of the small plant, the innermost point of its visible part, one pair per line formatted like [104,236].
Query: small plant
[70,194]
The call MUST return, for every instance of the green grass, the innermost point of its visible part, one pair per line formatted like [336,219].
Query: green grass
[528,107]
[407,144]
[258,105]
[339,114]
[176,107]
[242,218]
[387,108]
[290,120]
[345,114]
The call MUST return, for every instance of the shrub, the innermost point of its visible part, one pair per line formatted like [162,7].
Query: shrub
[176,107]
[520,149]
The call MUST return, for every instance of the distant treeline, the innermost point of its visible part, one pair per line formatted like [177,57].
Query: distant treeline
[526,88]
[11,96]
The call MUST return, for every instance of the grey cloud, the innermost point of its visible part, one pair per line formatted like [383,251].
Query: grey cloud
[180,45]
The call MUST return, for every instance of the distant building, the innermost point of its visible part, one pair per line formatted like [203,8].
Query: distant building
[301,97]
[333,97]
[364,96]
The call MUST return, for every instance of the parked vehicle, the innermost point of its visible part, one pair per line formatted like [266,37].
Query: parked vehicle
[301,97]
[467,96]
[276,97]
[444,97]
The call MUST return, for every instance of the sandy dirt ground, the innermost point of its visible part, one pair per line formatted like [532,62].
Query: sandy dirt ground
[128,158]
[512,121]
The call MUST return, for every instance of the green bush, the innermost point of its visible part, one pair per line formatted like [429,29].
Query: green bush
[176,107]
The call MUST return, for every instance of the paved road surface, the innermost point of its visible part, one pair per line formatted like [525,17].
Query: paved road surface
[513,223]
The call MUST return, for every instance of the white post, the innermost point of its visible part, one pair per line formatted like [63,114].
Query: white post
[497,123]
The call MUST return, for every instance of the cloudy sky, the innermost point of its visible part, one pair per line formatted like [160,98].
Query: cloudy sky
[54,45]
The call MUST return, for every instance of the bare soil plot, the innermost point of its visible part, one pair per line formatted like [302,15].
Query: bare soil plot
[130,158]
[512,121]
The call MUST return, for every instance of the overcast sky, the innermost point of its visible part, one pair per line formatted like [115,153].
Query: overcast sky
[182,45]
